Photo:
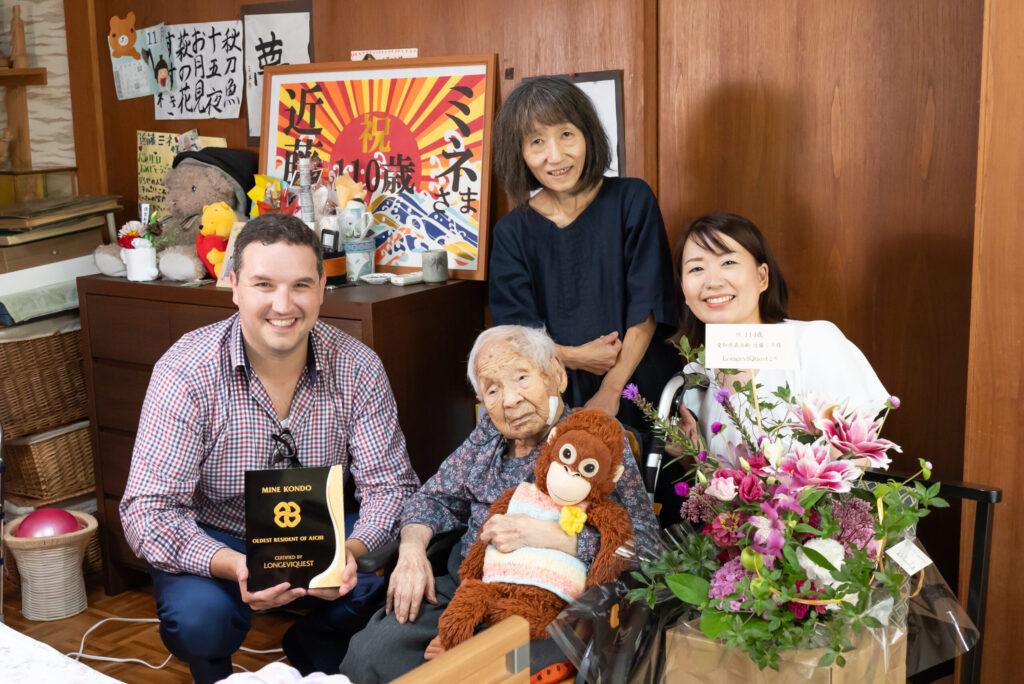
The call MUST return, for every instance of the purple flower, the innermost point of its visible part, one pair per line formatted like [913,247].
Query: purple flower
[893,402]
[631,393]
[722,395]
[724,581]
[702,456]
[699,507]
[856,522]
[682,489]
[716,427]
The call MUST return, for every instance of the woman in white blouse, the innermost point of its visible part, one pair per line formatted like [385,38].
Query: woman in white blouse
[728,275]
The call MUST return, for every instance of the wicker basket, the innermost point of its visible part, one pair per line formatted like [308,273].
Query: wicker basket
[41,383]
[49,465]
[52,583]
[92,566]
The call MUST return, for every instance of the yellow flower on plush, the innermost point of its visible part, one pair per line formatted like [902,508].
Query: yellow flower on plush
[572,519]
[212,241]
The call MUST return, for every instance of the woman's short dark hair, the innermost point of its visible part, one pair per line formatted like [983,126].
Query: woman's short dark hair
[546,101]
[270,229]
[707,231]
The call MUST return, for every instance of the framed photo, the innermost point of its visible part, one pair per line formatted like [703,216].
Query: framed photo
[415,132]
[604,88]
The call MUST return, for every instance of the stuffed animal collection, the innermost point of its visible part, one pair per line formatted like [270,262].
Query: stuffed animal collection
[198,178]
[576,472]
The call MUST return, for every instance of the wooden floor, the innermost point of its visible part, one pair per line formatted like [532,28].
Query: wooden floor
[133,639]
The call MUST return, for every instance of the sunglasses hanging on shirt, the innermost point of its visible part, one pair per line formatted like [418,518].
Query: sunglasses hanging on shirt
[284,448]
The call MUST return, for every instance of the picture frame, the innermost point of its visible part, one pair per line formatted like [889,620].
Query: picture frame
[416,132]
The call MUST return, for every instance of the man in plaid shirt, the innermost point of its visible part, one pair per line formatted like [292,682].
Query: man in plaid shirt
[269,387]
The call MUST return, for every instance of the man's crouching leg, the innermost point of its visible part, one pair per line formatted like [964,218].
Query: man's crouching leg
[203,621]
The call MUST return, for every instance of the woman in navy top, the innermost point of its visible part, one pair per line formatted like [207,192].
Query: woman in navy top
[585,256]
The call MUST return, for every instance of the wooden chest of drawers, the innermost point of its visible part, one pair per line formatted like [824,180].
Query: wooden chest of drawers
[422,334]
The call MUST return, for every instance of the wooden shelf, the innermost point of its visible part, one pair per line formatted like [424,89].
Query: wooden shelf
[23,77]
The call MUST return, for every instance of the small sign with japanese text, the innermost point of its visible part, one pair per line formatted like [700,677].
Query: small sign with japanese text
[749,346]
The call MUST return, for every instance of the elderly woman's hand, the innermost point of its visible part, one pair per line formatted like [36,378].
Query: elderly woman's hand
[411,581]
[507,533]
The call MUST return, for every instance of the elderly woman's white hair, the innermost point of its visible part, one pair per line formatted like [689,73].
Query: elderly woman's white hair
[532,343]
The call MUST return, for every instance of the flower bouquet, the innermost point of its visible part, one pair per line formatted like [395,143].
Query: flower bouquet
[787,561]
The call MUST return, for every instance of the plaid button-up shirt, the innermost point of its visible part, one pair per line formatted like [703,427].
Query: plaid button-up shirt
[207,419]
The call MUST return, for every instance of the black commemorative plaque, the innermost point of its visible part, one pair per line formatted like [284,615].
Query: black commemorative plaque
[295,527]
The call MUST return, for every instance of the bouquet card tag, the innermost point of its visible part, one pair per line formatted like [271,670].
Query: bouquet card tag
[908,556]
[745,346]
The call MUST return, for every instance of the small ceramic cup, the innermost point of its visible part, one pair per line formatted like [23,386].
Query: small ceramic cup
[435,266]
[140,263]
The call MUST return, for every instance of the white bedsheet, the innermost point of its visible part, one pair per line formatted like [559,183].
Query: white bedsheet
[23,659]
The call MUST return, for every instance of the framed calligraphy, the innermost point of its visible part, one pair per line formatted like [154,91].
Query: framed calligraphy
[415,132]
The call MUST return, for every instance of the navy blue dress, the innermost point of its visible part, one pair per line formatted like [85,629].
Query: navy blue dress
[607,270]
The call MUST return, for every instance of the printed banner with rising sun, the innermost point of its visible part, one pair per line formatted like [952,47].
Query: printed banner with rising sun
[414,136]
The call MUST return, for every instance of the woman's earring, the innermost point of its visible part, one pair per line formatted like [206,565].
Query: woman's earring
[552,409]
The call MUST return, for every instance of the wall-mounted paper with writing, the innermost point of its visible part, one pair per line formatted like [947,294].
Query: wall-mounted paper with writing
[207,72]
[271,39]
[140,59]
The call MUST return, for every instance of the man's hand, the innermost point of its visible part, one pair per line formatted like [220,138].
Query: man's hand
[411,581]
[272,597]
[507,533]
[596,356]
[348,580]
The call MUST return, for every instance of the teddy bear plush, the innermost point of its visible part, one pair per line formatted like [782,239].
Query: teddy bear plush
[197,178]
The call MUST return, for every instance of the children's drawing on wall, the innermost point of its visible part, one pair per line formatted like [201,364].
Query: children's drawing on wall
[207,71]
[141,59]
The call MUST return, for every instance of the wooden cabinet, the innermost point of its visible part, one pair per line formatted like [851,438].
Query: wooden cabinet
[422,334]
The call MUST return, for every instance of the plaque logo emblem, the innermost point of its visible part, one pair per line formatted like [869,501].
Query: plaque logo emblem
[287,514]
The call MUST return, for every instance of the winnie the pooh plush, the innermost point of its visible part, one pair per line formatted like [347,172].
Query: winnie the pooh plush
[212,241]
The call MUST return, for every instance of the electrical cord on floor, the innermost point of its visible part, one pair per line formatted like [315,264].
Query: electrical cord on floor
[80,653]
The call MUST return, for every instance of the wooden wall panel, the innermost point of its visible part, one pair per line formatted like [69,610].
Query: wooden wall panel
[995,372]
[847,132]
[531,37]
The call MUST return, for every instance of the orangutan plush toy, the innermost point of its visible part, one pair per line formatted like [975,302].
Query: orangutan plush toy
[576,472]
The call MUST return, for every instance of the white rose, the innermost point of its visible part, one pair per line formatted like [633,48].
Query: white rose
[722,488]
[833,553]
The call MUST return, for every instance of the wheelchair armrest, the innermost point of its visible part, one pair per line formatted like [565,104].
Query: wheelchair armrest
[379,561]
[382,560]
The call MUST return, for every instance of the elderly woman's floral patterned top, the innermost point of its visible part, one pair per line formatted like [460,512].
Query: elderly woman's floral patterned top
[479,471]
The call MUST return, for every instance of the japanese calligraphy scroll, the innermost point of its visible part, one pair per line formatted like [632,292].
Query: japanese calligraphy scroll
[415,132]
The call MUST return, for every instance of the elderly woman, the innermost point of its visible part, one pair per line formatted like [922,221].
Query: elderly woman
[583,255]
[518,377]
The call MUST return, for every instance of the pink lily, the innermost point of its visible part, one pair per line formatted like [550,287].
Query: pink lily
[811,465]
[856,436]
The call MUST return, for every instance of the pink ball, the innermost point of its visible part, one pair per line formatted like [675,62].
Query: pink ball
[47,522]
